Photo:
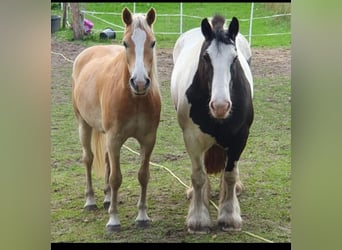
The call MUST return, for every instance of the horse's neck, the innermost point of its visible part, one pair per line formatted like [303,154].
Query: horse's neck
[116,74]
[246,70]
[154,74]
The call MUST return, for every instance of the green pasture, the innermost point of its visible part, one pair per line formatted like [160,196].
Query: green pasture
[265,169]
[171,22]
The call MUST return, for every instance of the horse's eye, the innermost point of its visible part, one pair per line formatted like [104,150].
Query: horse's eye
[125,44]
[153,44]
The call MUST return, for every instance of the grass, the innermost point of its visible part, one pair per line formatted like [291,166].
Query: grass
[201,10]
[265,171]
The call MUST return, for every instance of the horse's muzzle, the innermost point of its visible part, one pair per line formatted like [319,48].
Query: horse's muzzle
[219,110]
[140,87]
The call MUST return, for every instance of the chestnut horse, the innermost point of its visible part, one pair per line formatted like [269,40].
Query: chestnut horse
[116,96]
[212,90]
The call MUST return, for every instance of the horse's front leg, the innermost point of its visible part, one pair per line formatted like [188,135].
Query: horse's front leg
[198,218]
[146,147]
[115,180]
[229,217]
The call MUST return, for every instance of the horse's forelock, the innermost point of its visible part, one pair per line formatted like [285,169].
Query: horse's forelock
[139,21]
[218,22]
[220,34]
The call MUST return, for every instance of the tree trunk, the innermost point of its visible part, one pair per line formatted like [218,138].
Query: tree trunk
[77,23]
[64,15]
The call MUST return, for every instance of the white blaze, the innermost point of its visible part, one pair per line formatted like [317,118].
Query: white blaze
[139,37]
[221,61]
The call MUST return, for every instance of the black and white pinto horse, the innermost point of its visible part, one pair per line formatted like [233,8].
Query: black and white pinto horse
[212,90]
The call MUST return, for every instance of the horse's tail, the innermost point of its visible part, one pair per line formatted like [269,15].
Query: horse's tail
[99,150]
[215,159]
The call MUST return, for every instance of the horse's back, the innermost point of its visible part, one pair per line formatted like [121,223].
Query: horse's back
[95,52]
[91,60]
[187,41]
[88,78]
[185,56]
[243,46]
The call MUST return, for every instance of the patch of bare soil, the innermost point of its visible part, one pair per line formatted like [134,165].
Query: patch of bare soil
[265,62]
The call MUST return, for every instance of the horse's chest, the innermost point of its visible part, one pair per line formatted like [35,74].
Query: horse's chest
[222,131]
[136,119]
[140,121]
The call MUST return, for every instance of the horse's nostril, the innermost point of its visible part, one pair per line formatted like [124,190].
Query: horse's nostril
[211,104]
[147,84]
[131,81]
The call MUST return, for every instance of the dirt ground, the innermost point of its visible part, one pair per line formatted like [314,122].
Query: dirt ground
[265,62]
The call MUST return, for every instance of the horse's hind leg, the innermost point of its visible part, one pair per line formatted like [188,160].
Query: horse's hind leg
[106,201]
[239,185]
[115,179]
[85,138]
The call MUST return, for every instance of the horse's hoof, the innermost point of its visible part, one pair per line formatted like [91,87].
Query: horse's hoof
[236,227]
[142,223]
[230,229]
[204,230]
[106,205]
[113,228]
[90,207]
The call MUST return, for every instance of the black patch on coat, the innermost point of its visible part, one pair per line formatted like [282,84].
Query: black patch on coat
[230,133]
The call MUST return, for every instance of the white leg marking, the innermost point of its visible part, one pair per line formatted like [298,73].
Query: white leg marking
[113,221]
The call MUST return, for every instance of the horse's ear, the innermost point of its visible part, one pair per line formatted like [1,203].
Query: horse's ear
[206,29]
[151,16]
[233,28]
[127,16]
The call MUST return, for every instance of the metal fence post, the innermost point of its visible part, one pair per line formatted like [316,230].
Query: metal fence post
[181,19]
[251,24]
